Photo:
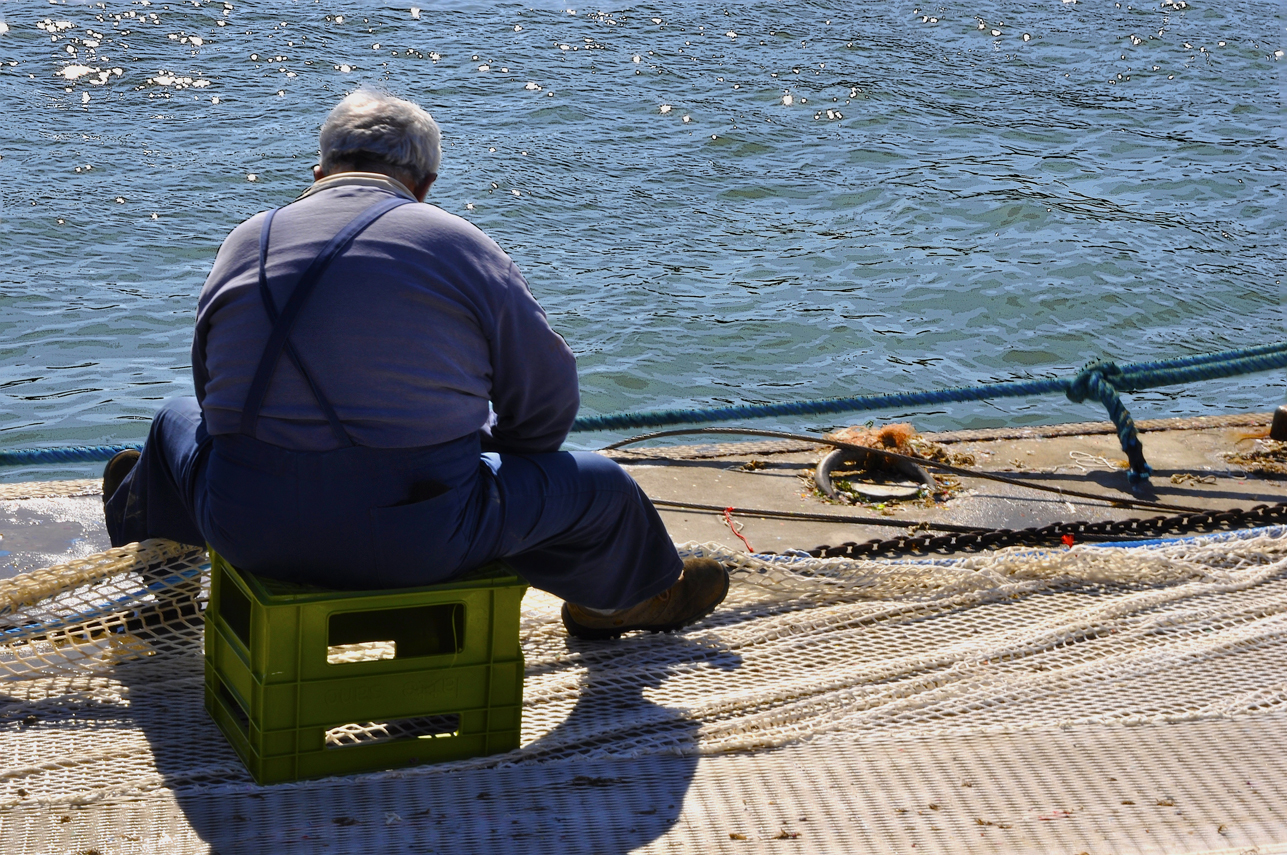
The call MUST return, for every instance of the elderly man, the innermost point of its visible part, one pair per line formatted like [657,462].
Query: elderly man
[380,402]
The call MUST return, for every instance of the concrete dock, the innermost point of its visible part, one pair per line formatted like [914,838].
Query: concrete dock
[1187,456]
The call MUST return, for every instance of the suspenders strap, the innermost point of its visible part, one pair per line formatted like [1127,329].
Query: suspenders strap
[270,307]
[278,339]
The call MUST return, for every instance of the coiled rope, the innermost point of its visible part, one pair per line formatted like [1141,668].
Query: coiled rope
[1099,379]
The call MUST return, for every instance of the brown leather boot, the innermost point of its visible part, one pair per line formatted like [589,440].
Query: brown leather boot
[116,470]
[702,586]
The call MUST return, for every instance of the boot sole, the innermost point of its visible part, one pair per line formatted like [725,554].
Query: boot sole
[588,633]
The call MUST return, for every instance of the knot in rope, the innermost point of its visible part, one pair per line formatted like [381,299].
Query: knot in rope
[1100,379]
[1086,383]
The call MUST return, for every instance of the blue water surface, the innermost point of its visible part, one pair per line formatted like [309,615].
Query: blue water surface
[716,203]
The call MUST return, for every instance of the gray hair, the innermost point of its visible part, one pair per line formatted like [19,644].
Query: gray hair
[373,125]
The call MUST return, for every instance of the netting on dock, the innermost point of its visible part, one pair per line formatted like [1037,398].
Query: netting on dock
[101,663]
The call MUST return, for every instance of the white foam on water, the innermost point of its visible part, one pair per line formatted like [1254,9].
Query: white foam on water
[75,72]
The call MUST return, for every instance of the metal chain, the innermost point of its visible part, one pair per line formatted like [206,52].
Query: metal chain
[1061,533]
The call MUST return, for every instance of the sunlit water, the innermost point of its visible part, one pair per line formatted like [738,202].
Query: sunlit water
[716,203]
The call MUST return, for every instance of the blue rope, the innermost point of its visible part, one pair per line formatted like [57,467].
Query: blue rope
[1100,379]
[826,406]
[1138,376]
[1103,379]
[66,454]
[1207,358]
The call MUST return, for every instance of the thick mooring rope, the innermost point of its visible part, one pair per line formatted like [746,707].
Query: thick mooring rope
[1100,379]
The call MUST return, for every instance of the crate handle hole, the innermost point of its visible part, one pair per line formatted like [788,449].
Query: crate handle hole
[234,608]
[234,706]
[365,651]
[373,732]
[399,633]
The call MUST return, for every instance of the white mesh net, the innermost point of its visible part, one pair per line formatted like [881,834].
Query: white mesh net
[101,666]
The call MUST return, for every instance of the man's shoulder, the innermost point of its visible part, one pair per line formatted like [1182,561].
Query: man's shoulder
[245,232]
[441,221]
[438,230]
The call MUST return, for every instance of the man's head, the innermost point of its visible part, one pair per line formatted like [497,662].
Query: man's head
[372,131]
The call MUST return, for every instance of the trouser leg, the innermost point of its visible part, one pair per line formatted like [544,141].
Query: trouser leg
[577,525]
[157,498]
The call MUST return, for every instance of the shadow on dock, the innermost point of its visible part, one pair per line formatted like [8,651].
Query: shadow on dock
[574,789]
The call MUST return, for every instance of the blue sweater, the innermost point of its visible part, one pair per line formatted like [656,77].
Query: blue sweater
[411,332]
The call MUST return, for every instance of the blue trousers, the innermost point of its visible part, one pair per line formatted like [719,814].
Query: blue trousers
[574,524]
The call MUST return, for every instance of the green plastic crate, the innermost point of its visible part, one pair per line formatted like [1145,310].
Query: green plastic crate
[396,677]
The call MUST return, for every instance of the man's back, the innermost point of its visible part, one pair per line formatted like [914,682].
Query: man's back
[409,334]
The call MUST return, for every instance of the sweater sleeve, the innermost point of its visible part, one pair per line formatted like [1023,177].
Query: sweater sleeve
[535,393]
[234,256]
[200,373]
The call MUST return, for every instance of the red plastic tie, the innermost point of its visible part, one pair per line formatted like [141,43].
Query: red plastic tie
[736,528]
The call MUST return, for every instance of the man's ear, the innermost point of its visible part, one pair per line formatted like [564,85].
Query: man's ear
[318,172]
[421,190]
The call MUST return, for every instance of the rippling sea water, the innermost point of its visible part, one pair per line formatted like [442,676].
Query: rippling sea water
[716,203]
